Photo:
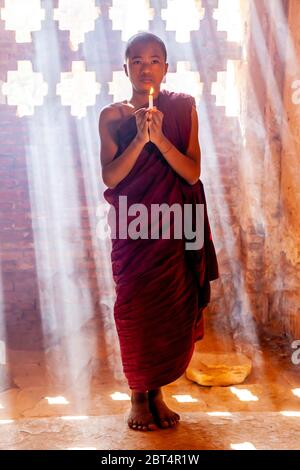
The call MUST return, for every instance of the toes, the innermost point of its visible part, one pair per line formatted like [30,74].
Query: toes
[152,426]
[139,426]
[174,419]
[168,422]
[164,423]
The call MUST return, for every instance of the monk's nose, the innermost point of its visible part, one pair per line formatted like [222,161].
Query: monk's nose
[145,67]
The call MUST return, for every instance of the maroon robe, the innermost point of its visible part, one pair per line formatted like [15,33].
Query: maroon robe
[161,288]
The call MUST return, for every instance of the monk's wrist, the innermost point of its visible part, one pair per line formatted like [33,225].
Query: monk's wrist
[139,141]
[165,145]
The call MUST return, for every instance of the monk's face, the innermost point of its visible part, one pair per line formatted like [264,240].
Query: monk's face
[146,66]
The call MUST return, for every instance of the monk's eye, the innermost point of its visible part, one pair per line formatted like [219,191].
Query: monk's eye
[136,61]
[156,61]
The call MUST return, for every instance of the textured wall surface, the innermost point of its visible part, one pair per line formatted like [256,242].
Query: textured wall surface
[268,170]
[285,307]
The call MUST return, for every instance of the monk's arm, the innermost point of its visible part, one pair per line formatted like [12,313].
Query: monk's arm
[114,171]
[188,165]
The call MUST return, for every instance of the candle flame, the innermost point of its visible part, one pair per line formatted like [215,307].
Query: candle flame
[151,91]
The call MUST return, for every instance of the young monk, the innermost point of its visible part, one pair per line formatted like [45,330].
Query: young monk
[152,156]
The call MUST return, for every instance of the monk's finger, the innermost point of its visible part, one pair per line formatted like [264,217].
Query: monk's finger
[140,111]
[144,115]
[153,116]
[156,121]
[157,113]
[141,118]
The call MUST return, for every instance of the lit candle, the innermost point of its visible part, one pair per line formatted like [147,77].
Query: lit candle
[151,98]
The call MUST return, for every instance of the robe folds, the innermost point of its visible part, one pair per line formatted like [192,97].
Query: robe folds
[161,288]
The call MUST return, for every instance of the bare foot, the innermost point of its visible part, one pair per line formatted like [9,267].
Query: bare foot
[140,417]
[162,414]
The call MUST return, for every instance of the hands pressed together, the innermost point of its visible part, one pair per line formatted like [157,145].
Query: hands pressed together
[149,125]
[149,129]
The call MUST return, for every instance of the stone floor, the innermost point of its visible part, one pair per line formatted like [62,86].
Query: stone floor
[89,417]
[197,431]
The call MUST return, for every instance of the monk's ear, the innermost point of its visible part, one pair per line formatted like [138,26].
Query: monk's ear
[166,68]
[125,69]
